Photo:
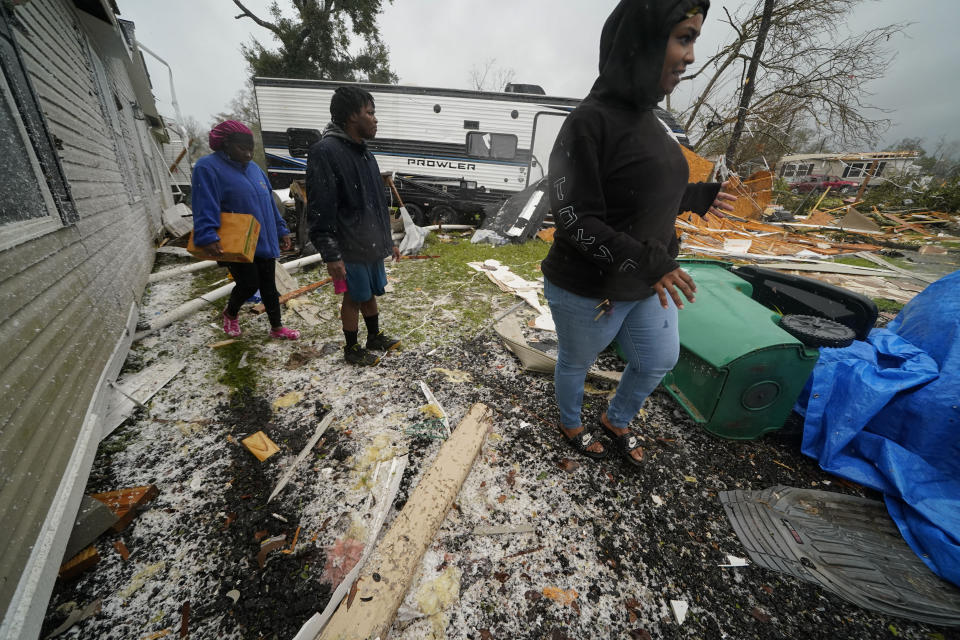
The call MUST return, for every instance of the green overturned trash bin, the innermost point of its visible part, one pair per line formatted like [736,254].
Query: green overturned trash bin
[739,373]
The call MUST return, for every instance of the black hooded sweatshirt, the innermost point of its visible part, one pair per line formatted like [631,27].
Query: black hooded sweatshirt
[346,205]
[618,179]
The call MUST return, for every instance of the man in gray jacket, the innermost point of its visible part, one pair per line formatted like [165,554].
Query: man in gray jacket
[349,220]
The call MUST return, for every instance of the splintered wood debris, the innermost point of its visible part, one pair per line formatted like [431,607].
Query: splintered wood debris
[387,579]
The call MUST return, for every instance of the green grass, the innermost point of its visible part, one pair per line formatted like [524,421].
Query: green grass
[202,282]
[240,379]
[886,305]
[439,298]
[855,261]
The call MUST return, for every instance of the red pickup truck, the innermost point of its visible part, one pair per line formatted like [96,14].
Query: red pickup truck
[821,183]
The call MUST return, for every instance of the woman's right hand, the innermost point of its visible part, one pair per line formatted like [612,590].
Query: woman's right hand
[213,249]
[337,270]
[670,282]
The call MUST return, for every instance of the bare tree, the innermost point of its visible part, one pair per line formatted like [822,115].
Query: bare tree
[197,135]
[790,66]
[489,77]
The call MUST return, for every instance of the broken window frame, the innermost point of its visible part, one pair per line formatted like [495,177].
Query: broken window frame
[491,148]
[40,146]
[796,170]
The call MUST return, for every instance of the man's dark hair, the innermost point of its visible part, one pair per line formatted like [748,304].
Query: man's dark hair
[347,101]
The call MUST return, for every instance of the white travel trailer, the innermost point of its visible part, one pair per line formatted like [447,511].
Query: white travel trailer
[452,150]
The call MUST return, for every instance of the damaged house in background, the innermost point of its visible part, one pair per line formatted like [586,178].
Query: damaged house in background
[84,186]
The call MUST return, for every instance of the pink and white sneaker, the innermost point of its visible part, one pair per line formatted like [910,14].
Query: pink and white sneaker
[231,326]
[285,333]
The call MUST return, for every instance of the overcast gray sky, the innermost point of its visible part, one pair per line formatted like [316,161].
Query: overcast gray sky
[553,43]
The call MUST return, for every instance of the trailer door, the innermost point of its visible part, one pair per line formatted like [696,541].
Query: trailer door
[546,126]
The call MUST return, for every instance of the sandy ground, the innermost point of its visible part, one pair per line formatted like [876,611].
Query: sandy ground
[612,544]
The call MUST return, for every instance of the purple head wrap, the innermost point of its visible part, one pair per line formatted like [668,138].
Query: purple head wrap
[220,133]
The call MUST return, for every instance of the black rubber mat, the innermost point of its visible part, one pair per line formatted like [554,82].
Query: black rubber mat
[848,545]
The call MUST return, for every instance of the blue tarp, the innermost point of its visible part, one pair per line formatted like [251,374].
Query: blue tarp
[885,413]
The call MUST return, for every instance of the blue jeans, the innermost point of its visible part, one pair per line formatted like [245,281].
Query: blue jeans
[647,335]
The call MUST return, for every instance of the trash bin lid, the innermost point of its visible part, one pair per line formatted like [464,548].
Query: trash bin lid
[725,323]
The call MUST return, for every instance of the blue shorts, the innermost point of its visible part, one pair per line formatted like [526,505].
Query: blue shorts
[365,279]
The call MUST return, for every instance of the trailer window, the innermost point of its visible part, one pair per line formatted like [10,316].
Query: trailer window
[498,146]
[36,199]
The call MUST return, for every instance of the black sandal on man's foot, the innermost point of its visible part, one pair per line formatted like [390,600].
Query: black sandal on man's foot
[581,441]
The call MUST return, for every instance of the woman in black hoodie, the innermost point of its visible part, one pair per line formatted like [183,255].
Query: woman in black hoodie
[618,183]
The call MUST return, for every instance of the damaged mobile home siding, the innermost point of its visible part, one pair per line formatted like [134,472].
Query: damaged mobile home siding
[68,293]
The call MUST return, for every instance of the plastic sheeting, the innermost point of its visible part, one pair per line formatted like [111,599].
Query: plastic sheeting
[413,235]
[886,413]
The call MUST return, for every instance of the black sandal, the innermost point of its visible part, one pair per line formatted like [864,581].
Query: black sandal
[581,441]
[625,445]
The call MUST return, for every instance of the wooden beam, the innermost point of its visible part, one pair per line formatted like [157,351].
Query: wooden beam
[387,576]
[125,503]
[866,179]
[817,206]
[296,293]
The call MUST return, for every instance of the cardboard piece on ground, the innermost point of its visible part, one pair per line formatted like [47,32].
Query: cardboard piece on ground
[141,386]
[79,563]
[534,359]
[310,313]
[93,518]
[126,502]
[510,282]
[177,220]
[327,419]
[857,221]
[260,445]
[395,560]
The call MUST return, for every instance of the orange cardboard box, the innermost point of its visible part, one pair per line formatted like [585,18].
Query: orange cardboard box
[238,238]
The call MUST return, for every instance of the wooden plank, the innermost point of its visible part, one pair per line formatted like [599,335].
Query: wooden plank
[387,576]
[125,503]
[903,223]
[79,563]
[259,308]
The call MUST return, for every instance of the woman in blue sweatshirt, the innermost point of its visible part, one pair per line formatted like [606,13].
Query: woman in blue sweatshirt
[226,180]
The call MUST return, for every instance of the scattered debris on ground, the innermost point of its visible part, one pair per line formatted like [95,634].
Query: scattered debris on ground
[535,543]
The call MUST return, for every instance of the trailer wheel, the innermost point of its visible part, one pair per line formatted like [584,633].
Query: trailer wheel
[443,214]
[416,213]
[813,331]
